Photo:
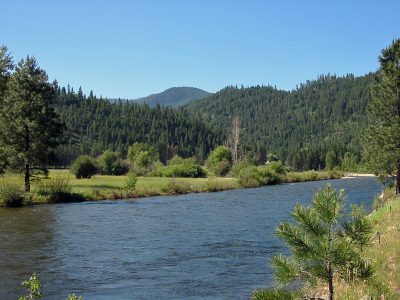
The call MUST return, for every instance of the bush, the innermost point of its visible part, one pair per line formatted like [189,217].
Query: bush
[137,148]
[274,294]
[221,168]
[11,195]
[277,167]
[257,176]
[184,170]
[179,167]
[57,189]
[84,167]
[241,165]
[220,161]
[130,182]
[33,287]
[176,160]
[174,187]
[110,163]
[249,177]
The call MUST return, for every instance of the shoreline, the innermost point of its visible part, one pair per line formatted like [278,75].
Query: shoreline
[102,187]
[181,186]
[355,175]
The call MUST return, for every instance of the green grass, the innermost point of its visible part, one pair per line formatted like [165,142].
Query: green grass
[111,187]
[101,187]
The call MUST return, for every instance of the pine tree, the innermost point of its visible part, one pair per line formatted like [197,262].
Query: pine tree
[323,244]
[6,66]
[382,138]
[29,126]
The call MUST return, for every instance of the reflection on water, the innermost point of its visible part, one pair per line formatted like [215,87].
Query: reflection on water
[197,246]
[26,236]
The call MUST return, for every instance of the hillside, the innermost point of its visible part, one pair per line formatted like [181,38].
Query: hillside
[301,126]
[174,97]
[94,125]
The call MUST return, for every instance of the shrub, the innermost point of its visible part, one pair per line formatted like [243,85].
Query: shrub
[220,160]
[179,167]
[11,195]
[277,167]
[249,177]
[269,176]
[57,189]
[241,165]
[257,176]
[33,287]
[110,163]
[130,182]
[176,160]
[142,155]
[84,167]
[174,187]
[274,294]
[221,168]
[184,170]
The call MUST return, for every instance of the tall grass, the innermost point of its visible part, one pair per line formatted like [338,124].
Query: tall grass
[384,255]
[11,194]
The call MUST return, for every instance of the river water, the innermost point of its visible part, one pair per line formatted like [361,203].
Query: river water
[195,246]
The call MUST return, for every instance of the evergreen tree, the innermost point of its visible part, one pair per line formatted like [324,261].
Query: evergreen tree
[323,244]
[382,138]
[330,160]
[30,128]
[6,66]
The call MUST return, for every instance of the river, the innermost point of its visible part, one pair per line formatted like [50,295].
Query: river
[195,246]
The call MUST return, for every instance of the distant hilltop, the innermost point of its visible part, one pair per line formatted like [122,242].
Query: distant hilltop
[173,97]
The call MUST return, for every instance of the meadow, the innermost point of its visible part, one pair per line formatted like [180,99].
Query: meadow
[101,187]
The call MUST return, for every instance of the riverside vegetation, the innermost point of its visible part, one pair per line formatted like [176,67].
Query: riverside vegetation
[377,278]
[357,256]
[62,186]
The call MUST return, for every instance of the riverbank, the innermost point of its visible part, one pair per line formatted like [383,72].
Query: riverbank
[353,175]
[383,254]
[102,187]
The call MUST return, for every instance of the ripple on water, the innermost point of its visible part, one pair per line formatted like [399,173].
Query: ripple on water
[195,246]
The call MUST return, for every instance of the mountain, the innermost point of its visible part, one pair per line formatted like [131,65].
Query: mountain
[174,97]
[301,126]
[94,125]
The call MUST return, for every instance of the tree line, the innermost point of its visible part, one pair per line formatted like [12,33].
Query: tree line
[300,126]
[94,125]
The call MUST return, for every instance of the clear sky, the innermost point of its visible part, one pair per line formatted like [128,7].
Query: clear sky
[130,49]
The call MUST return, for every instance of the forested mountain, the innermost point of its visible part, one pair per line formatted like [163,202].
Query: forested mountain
[301,126]
[95,125]
[174,97]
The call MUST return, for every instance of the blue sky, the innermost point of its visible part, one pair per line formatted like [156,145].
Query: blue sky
[130,49]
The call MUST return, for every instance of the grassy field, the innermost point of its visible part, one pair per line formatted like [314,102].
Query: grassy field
[111,187]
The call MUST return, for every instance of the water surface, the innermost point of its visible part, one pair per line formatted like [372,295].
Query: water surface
[196,246]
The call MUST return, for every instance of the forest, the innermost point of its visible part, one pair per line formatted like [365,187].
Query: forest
[300,126]
[93,125]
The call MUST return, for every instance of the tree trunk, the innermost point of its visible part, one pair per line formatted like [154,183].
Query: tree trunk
[330,281]
[27,178]
[27,167]
[398,179]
